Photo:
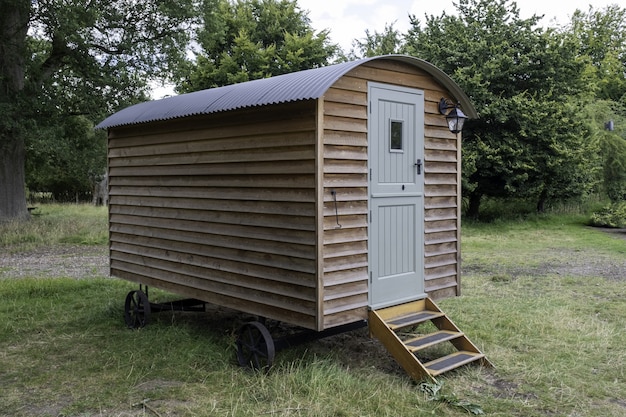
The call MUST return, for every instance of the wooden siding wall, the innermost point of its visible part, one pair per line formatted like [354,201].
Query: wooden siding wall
[220,208]
[345,262]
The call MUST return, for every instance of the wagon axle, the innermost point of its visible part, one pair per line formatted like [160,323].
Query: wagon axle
[256,348]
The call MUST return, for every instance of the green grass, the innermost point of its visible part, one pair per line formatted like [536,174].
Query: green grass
[52,224]
[557,342]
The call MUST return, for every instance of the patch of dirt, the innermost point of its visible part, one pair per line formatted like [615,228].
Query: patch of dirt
[563,262]
[69,261]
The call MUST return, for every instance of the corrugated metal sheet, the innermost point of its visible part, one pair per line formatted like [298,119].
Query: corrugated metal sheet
[302,85]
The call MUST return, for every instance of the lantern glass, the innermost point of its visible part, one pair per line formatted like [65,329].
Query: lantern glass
[456,120]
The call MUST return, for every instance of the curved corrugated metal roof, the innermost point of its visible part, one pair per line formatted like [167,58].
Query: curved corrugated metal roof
[302,85]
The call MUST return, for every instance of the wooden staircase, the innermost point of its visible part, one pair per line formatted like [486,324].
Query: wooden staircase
[423,355]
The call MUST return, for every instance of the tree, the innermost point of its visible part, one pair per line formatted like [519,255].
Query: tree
[520,78]
[601,37]
[65,58]
[390,41]
[249,39]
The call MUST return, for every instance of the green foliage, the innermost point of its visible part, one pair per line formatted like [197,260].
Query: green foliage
[527,141]
[244,40]
[65,159]
[74,58]
[612,144]
[390,41]
[613,215]
[601,38]
[434,392]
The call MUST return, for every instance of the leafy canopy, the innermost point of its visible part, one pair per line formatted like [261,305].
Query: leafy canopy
[245,40]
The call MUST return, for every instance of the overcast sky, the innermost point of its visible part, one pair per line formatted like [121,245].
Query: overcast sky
[348,19]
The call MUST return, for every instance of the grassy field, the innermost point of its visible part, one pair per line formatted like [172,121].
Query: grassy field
[553,328]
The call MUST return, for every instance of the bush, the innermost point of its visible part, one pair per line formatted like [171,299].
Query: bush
[613,215]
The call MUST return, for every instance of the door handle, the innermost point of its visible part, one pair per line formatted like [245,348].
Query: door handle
[418,166]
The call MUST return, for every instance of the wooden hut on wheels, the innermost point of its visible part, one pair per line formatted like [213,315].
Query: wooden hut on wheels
[321,199]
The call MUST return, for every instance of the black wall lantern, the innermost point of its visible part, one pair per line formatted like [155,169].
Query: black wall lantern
[456,118]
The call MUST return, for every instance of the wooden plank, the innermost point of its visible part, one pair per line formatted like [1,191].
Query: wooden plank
[208,271]
[208,141]
[225,259]
[345,249]
[342,221]
[448,213]
[345,152]
[441,248]
[214,216]
[345,317]
[345,110]
[235,206]
[346,275]
[319,213]
[256,194]
[265,118]
[345,124]
[246,305]
[440,202]
[335,137]
[243,168]
[344,263]
[293,153]
[234,181]
[440,226]
[296,243]
[438,237]
[333,166]
[345,208]
[435,167]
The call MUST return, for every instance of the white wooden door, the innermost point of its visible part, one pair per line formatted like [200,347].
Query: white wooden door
[396,190]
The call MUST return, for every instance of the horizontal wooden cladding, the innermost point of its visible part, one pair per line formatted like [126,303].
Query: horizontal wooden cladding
[207,141]
[345,152]
[295,243]
[276,119]
[231,297]
[218,258]
[243,194]
[334,137]
[203,270]
[440,202]
[241,168]
[345,316]
[252,209]
[218,181]
[447,213]
[291,153]
[220,217]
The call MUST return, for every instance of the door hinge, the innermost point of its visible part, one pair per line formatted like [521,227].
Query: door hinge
[370,216]
[370,277]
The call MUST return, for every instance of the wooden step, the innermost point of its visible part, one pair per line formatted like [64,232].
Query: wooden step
[428,340]
[452,361]
[413,319]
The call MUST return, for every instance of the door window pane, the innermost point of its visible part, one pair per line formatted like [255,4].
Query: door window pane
[395,137]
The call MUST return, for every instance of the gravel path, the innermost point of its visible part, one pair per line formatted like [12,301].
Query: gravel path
[73,261]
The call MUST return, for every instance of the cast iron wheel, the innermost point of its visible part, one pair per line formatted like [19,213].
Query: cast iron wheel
[255,347]
[137,310]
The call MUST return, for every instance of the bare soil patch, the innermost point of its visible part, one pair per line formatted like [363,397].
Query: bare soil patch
[73,261]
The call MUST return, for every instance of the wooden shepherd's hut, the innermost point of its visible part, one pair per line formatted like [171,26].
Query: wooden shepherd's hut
[318,198]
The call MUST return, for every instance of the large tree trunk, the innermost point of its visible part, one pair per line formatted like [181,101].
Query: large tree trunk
[14,17]
[473,209]
[12,192]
